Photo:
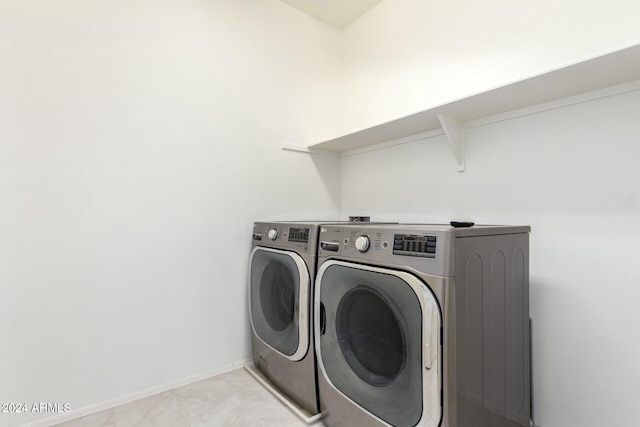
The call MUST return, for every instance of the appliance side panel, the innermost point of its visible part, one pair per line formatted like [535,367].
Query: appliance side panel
[492,330]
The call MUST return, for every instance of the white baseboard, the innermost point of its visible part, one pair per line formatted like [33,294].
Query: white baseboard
[111,403]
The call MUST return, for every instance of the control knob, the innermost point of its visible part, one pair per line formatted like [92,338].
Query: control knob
[362,243]
[273,234]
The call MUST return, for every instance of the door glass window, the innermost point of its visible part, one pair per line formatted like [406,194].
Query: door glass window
[275,300]
[278,295]
[370,336]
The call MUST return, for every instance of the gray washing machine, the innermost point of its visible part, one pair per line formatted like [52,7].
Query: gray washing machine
[423,325]
[281,272]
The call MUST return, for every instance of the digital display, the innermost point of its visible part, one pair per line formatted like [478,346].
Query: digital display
[299,235]
[414,245]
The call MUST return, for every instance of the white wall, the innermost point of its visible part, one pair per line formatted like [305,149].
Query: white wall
[570,173]
[139,140]
[405,56]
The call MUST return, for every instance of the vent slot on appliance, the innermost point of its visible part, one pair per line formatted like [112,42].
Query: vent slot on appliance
[414,245]
[299,235]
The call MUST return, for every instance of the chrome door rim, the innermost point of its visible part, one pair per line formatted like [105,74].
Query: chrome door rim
[303,302]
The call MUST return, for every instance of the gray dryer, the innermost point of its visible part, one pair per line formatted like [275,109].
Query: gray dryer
[423,325]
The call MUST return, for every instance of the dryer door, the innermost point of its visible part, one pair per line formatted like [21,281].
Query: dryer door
[378,341]
[279,301]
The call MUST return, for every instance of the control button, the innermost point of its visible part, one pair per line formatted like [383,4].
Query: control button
[273,234]
[362,243]
[385,245]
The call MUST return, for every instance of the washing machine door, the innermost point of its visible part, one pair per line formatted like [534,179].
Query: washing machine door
[377,341]
[279,301]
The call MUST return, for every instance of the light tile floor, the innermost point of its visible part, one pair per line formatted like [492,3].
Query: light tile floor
[229,400]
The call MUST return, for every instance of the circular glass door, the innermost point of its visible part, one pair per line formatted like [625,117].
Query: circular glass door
[279,301]
[375,328]
[370,336]
[278,295]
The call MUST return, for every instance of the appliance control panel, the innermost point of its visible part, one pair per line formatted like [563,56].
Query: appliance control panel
[416,245]
[425,249]
[299,234]
[302,238]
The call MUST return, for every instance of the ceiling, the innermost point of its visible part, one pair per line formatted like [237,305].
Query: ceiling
[338,13]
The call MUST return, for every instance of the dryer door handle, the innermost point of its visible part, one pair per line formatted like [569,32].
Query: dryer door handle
[323,319]
[431,331]
[427,345]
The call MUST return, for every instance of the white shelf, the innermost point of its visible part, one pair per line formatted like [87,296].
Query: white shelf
[611,69]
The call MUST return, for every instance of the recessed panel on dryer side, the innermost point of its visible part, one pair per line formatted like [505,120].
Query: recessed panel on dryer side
[492,330]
